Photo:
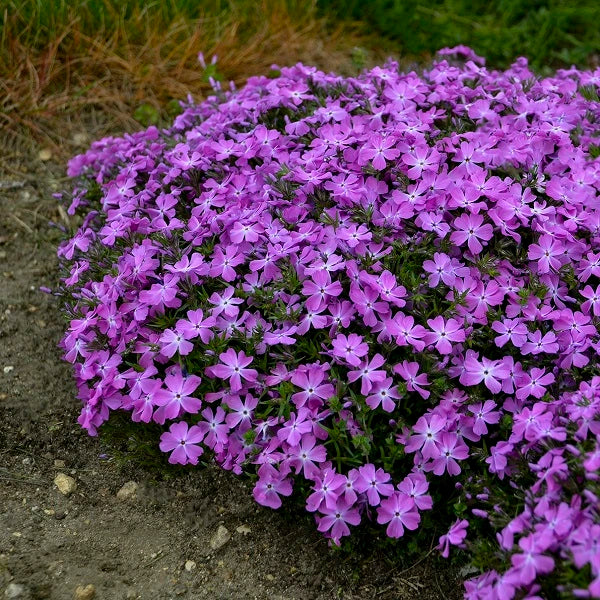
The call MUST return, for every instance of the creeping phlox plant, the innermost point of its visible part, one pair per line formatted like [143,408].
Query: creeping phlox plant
[381,291]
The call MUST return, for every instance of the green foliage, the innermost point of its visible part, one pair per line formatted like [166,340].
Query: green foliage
[549,32]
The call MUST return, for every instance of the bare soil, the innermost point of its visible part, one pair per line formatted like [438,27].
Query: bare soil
[51,543]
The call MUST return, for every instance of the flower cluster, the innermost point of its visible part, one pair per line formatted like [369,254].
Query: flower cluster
[382,292]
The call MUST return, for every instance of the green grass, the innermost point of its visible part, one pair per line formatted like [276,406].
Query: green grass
[551,33]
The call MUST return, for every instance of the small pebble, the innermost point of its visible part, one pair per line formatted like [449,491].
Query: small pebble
[128,491]
[15,591]
[190,565]
[243,529]
[45,154]
[84,592]
[66,485]
[8,369]
[59,464]
[220,538]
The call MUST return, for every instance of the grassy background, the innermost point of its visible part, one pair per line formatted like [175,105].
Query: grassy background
[98,66]
[550,33]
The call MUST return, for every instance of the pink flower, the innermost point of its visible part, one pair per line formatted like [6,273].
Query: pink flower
[444,332]
[173,341]
[455,537]
[327,489]
[383,392]
[470,229]
[311,381]
[531,562]
[428,430]
[350,348]
[234,368]
[510,330]
[369,373]
[214,428]
[270,486]
[320,289]
[484,415]
[398,511]
[176,399]
[335,520]
[408,371]
[547,252]
[533,384]
[491,372]
[182,443]
[373,482]
[450,449]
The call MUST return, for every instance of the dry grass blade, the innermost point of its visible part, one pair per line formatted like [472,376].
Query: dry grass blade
[53,81]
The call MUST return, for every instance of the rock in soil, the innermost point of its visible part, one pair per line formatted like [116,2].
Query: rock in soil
[84,592]
[66,485]
[16,591]
[128,491]
[220,538]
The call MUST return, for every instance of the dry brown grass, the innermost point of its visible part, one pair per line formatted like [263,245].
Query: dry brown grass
[81,80]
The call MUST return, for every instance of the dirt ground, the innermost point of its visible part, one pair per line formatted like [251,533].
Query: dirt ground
[156,545]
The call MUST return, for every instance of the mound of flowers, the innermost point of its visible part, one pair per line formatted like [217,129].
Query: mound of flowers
[381,293]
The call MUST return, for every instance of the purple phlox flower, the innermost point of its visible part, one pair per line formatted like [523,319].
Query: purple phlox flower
[225,303]
[422,158]
[490,372]
[538,344]
[548,252]
[214,428]
[529,423]
[161,295]
[369,373]
[443,268]
[328,487]
[177,398]
[510,330]
[366,303]
[182,442]
[455,537]
[400,512]
[223,263]
[242,412]
[351,348]
[234,368]
[281,336]
[469,228]
[383,392]
[533,384]
[304,456]
[354,234]
[373,482]
[484,415]
[378,149]
[174,341]
[408,371]
[427,431]
[415,485]
[403,329]
[320,289]
[443,332]
[335,520]
[270,486]
[295,427]
[246,232]
[450,449]
[312,381]
[593,300]
[531,563]
[195,325]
